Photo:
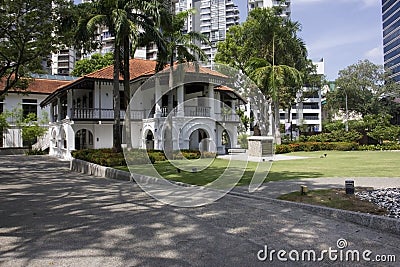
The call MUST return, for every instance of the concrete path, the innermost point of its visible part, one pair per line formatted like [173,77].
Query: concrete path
[51,216]
[246,157]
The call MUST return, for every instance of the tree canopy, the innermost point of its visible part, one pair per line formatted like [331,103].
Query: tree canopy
[29,32]
[95,62]
[367,87]
[267,49]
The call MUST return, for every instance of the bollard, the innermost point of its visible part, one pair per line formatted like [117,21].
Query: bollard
[349,186]
[303,190]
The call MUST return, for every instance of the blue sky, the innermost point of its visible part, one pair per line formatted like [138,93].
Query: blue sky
[340,31]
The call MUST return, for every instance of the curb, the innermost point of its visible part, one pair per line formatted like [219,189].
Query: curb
[391,225]
[372,221]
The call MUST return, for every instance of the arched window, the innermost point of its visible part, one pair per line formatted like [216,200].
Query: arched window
[83,139]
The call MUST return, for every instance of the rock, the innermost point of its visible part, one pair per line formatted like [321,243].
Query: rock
[388,198]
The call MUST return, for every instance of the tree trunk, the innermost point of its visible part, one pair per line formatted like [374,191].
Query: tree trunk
[168,143]
[127,94]
[117,120]
[277,123]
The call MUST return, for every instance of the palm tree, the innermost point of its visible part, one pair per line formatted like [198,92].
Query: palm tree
[125,19]
[179,47]
[275,81]
[140,24]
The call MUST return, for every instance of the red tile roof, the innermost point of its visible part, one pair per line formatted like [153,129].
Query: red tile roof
[39,86]
[140,67]
[137,68]
[190,67]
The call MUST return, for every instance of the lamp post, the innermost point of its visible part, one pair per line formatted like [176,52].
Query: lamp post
[346,124]
[347,115]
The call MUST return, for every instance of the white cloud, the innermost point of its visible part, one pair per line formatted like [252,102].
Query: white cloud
[365,3]
[369,3]
[339,38]
[375,55]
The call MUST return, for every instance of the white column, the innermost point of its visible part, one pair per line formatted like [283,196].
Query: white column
[181,99]
[51,112]
[157,95]
[218,103]
[69,104]
[211,100]
[59,109]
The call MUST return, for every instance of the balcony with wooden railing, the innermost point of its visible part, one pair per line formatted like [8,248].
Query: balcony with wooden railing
[138,115]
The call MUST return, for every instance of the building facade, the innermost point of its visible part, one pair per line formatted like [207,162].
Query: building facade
[202,112]
[212,18]
[391,37]
[285,5]
[306,115]
[27,102]
[63,62]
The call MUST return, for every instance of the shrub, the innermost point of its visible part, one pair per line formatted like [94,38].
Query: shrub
[281,149]
[35,152]
[107,157]
[336,136]
[315,146]
[242,140]
[384,146]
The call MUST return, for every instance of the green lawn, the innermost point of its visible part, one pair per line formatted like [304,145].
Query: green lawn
[336,164]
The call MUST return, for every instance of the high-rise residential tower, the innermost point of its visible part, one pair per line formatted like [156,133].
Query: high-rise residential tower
[212,18]
[286,9]
[391,37]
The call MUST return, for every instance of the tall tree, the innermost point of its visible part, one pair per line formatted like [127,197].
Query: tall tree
[365,85]
[124,20]
[271,77]
[181,47]
[95,62]
[29,33]
[140,25]
[267,49]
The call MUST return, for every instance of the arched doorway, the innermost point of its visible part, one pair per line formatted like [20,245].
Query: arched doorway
[226,141]
[83,139]
[149,140]
[198,140]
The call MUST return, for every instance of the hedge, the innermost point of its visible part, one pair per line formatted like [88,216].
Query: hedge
[340,146]
[315,146]
[107,157]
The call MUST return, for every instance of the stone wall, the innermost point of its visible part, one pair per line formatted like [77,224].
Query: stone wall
[260,146]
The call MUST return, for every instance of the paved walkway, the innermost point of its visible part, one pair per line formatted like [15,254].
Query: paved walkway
[52,216]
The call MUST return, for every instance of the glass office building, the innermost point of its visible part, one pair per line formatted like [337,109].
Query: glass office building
[391,37]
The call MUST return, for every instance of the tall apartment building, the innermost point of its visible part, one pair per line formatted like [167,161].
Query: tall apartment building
[306,115]
[286,8]
[391,37]
[213,19]
[63,62]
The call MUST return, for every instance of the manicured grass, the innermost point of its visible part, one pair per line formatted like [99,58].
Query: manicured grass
[337,199]
[338,164]
[335,164]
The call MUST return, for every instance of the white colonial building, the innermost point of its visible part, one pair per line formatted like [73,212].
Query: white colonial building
[202,110]
[27,101]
